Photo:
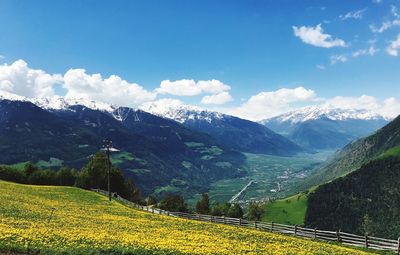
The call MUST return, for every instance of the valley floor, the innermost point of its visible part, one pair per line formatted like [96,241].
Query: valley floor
[270,177]
[66,220]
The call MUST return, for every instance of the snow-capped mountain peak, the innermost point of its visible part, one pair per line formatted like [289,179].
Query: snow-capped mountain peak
[4,95]
[176,110]
[58,102]
[316,112]
[61,103]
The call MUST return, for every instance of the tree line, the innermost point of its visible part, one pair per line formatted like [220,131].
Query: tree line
[92,175]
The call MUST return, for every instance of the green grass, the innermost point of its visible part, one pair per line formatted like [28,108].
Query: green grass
[53,162]
[65,220]
[19,166]
[287,211]
[120,157]
[393,152]
[267,171]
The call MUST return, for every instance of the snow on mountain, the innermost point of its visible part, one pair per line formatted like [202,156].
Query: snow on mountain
[180,112]
[61,103]
[58,102]
[316,112]
[4,95]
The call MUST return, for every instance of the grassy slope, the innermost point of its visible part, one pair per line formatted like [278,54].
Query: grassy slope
[395,151]
[84,222]
[287,211]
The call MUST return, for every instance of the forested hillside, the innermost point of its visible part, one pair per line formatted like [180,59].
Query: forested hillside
[355,154]
[365,201]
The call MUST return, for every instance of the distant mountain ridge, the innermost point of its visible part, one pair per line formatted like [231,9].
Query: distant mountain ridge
[162,155]
[240,134]
[325,128]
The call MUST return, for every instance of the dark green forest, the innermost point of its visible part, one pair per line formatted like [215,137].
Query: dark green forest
[365,201]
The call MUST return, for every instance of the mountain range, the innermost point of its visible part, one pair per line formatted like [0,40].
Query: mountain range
[163,155]
[239,134]
[319,128]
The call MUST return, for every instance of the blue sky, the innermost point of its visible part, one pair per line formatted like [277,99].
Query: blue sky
[251,46]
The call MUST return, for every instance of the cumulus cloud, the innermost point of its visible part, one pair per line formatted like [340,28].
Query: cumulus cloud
[191,88]
[315,36]
[112,90]
[394,46]
[220,98]
[338,58]
[20,79]
[353,14]
[268,104]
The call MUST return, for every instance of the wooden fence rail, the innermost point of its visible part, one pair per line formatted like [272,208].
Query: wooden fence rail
[323,235]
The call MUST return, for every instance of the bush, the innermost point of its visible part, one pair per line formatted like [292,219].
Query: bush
[174,203]
[235,211]
[203,205]
[12,174]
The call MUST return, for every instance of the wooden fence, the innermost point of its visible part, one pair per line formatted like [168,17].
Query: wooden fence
[323,235]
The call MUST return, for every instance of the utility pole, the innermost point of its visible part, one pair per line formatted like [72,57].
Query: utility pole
[108,145]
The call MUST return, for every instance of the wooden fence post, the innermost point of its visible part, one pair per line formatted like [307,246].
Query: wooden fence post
[223,218]
[338,236]
[240,221]
[152,209]
[272,226]
[255,224]
[167,213]
[315,233]
[295,230]
[366,240]
[211,219]
[398,246]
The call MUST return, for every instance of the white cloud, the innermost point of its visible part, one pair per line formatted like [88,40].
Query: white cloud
[377,1]
[268,104]
[112,90]
[385,26]
[321,67]
[394,11]
[362,102]
[393,48]
[353,14]
[220,98]
[2,57]
[338,58]
[20,79]
[315,36]
[371,51]
[191,88]
[389,108]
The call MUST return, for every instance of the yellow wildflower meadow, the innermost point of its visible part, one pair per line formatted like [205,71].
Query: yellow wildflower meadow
[66,220]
